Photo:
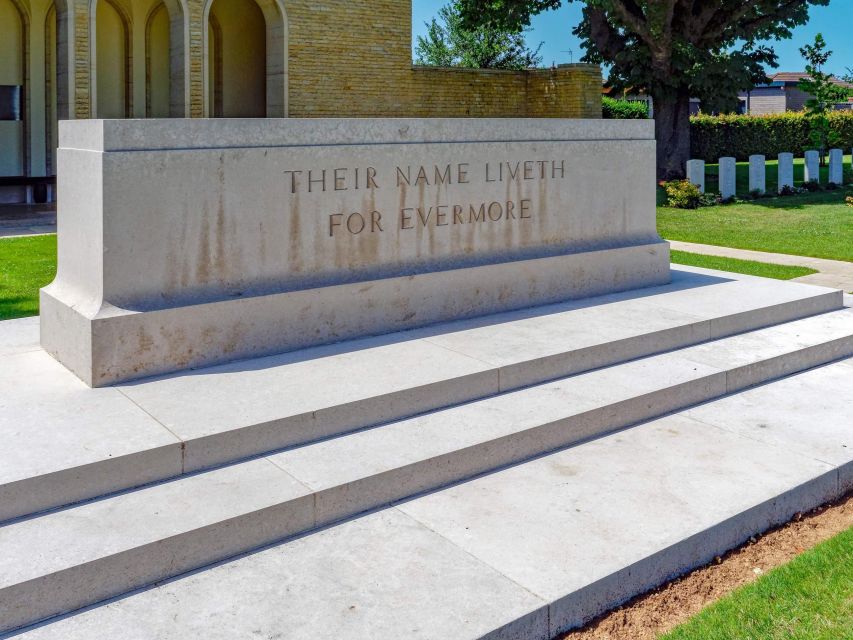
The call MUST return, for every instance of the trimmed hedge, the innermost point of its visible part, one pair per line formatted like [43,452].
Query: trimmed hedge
[612,109]
[714,137]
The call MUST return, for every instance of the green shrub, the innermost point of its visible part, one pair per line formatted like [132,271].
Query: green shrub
[715,137]
[613,109]
[682,194]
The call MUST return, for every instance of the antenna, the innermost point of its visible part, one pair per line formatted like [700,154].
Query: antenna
[571,54]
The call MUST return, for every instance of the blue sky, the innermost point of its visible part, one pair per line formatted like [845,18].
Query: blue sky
[553,29]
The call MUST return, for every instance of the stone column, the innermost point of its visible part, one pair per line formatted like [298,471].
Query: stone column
[786,170]
[728,177]
[79,23]
[196,54]
[696,173]
[836,166]
[812,166]
[757,174]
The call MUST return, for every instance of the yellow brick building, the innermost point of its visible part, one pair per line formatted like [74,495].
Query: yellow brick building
[240,58]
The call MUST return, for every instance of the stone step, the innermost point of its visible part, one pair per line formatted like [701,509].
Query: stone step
[532,550]
[67,442]
[97,550]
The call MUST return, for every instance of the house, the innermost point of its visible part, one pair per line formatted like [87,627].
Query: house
[782,94]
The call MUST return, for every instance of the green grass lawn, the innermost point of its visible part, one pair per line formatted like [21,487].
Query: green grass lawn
[750,267]
[26,265]
[810,598]
[813,224]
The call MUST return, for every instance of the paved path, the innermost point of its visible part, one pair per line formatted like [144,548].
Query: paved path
[831,273]
[27,219]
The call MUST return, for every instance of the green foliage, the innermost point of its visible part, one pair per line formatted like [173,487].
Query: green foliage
[623,109]
[825,94]
[682,194]
[449,43]
[672,49]
[810,598]
[739,136]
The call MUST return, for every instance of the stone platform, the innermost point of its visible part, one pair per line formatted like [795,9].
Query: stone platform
[503,477]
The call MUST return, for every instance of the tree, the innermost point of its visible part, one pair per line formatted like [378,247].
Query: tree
[672,49]
[452,44]
[824,93]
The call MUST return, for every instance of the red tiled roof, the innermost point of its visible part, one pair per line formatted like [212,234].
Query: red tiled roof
[796,76]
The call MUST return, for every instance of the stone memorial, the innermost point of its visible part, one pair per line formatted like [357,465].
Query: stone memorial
[728,177]
[836,166]
[696,173]
[190,242]
[812,166]
[786,171]
[757,174]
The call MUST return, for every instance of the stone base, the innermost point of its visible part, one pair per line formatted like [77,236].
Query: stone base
[112,345]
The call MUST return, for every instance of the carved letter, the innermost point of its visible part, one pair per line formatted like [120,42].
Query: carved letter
[292,180]
[424,221]
[442,178]
[312,181]
[371,174]
[562,168]
[401,177]
[334,223]
[525,208]
[477,216]
[462,173]
[457,214]
[340,180]
[500,211]
[528,169]
[359,224]
[441,215]
[404,219]
[375,218]
[510,207]
[422,177]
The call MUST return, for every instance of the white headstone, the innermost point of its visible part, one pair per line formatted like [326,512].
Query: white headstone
[728,177]
[812,170]
[213,240]
[786,170]
[757,174]
[696,173]
[836,166]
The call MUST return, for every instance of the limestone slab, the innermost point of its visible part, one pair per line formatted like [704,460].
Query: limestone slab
[508,555]
[774,352]
[757,174]
[836,166]
[367,579]
[812,166]
[673,484]
[696,173]
[728,177]
[64,442]
[19,335]
[811,413]
[786,171]
[189,255]
[106,547]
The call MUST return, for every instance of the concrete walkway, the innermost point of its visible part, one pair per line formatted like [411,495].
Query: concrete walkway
[27,219]
[831,273]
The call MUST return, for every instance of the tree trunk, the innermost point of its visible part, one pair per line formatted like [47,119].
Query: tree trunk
[672,132]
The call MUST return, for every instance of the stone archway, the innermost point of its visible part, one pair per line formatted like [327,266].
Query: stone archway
[269,62]
[165,61]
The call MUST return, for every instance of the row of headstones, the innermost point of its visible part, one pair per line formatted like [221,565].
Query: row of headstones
[757,175]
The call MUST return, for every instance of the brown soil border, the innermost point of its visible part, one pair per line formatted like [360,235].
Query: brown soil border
[660,610]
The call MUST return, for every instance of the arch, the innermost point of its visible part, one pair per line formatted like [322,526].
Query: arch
[275,56]
[166,25]
[111,59]
[15,70]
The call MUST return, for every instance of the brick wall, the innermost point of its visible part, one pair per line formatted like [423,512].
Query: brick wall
[354,58]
